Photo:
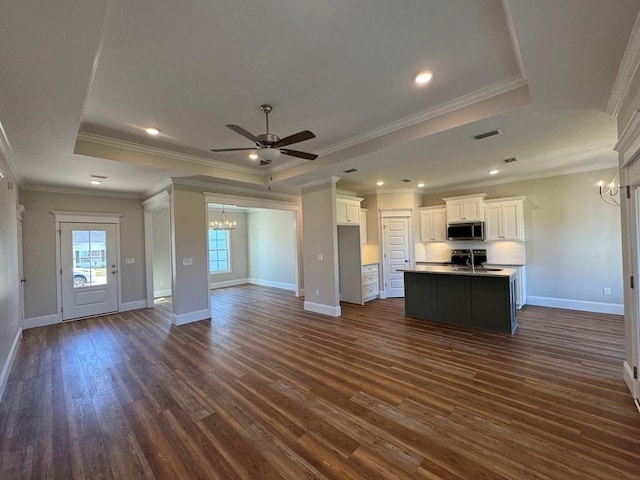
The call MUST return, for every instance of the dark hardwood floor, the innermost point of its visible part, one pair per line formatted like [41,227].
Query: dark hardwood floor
[265,390]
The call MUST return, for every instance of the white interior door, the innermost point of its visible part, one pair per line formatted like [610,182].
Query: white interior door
[395,232]
[89,274]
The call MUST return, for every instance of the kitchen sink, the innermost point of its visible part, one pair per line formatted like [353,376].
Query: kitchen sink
[477,269]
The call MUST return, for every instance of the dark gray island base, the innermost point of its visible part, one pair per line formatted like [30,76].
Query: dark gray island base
[480,299]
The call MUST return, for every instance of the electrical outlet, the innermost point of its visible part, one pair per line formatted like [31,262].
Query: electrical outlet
[292,277]
[320,257]
[606,291]
[317,293]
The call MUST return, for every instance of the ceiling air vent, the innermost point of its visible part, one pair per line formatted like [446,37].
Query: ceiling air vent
[406,180]
[99,177]
[351,170]
[492,133]
[510,160]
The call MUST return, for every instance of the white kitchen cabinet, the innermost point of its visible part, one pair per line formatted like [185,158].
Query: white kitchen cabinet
[363,226]
[467,208]
[433,224]
[504,219]
[348,210]
[370,282]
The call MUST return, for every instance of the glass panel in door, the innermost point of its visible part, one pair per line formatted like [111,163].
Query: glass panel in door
[89,258]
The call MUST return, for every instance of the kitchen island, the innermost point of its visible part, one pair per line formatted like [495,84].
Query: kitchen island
[465,296]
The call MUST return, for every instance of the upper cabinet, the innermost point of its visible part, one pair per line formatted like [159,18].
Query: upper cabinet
[468,208]
[347,210]
[433,224]
[504,219]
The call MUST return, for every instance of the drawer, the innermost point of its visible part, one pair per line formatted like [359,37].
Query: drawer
[369,293]
[369,279]
[370,269]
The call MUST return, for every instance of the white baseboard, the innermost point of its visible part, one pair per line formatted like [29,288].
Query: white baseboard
[228,283]
[138,304]
[162,293]
[300,293]
[190,317]
[323,309]
[269,283]
[8,364]
[41,321]
[583,305]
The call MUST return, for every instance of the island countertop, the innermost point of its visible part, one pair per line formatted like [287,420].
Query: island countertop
[460,270]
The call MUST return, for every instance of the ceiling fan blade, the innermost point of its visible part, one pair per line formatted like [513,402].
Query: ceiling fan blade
[244,133]
[265,162]
[231,149]
[295,138]
[296,153]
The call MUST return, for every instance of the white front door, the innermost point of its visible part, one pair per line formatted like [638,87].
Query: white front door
[395,232]
[89,275]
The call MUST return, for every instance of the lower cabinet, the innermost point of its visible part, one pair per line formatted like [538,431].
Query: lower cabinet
[370,285]
[520,283]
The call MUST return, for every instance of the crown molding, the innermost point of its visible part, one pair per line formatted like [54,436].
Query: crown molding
[157,202]
[316,183]
[447,107]
[212,188]
[161,152]
[601,165]
[629,142]
[9,157]
[626,71]
[79,191]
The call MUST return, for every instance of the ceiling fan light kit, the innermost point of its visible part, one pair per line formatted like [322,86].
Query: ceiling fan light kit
[269,145]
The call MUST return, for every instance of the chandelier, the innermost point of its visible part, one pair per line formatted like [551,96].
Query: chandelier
[222,223]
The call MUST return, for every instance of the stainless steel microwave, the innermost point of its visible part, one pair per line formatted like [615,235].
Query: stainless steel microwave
[466,231]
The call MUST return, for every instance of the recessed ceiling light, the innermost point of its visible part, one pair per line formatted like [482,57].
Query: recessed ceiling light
[420,185]
[1,175]
[380,183]
[493,172]
[95,182]
[253,156]
[152,130]
[423,77]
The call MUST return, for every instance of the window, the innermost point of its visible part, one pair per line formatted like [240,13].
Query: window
[219,251]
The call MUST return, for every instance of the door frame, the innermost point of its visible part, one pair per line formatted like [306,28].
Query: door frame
[157,202]
[393,213]
[20,209]
[84,217]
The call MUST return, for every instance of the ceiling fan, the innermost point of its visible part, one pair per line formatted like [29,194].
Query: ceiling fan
[269,146]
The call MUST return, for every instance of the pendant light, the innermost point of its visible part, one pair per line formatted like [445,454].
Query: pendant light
[222,223]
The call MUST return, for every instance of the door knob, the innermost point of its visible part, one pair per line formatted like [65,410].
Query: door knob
[113,271]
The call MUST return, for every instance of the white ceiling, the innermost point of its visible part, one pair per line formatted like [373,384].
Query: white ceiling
[80,81]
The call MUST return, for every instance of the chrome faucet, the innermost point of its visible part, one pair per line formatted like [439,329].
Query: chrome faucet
[473,261]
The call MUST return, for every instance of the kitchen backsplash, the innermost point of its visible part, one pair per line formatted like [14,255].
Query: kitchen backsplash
[500,253]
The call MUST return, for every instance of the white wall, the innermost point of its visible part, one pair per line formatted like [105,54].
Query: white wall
[190,269]
[39,245]
[272,248]
[320,249]
[9,281]
[161,252]
[573,239]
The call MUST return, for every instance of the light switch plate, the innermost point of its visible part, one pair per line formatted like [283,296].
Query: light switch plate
[187,261]
[129,260]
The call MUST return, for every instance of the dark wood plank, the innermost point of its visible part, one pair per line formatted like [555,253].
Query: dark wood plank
[266,390]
